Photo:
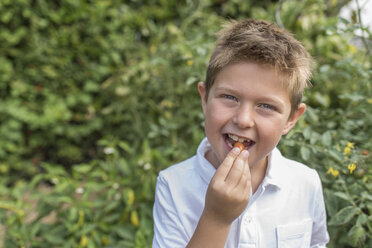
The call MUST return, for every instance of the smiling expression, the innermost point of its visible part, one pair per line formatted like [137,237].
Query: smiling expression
[247,103]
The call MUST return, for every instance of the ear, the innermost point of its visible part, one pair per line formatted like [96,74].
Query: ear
[202,92]
[294,118]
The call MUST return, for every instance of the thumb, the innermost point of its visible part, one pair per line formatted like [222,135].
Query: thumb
[224,169]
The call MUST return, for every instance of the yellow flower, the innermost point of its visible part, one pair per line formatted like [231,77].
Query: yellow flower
[190,62]
[130,197]
[349,144]
[351,167]
[134,218]
[369,100]
[348,148]
[188,55]
[353,49]
[81,218]
[83,241]
[166,104]
[333,172]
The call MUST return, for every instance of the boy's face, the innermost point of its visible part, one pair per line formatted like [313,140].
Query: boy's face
[246,102]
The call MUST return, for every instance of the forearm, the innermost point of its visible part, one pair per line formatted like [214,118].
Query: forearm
[209,233]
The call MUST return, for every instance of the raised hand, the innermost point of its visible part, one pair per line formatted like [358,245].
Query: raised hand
[228,192]
[227,197]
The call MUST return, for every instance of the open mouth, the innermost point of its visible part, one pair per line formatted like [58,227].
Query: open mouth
[231,139]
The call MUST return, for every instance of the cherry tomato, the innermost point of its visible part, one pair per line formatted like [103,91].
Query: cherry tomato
[239,145]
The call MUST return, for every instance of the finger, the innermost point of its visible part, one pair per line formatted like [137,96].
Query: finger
[224,168]
[237,169]
[245,180]
[248,189]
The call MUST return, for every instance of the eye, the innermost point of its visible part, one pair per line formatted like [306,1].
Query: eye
[230,97]
[266,106]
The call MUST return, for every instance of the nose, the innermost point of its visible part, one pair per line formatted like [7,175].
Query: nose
[244,117]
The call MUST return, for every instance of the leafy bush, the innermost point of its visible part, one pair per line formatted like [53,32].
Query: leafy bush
[97,97]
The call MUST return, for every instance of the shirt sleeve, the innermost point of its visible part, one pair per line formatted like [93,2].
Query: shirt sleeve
[168,229]
[320,236]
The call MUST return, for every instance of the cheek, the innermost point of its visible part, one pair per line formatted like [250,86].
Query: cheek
[213,125]
[217,114]
[211,122]
[271,128]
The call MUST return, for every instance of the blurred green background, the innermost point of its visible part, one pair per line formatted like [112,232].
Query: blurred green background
[98,96]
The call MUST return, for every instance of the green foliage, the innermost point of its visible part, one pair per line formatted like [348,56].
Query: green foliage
[98,96]
[334,135]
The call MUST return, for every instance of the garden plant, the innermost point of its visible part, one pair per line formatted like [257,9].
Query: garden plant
[96,97]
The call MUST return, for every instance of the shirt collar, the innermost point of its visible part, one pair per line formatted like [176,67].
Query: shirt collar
[273,176]
[205,168]
[274,172]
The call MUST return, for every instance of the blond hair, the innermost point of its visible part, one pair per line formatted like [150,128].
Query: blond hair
[265,44]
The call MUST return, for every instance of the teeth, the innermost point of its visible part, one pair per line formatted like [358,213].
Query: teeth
[236,138]
[247,142]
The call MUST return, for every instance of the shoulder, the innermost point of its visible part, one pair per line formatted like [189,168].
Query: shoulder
[171,203]
[293,171]
[299,169]
[179,170]
[177,176]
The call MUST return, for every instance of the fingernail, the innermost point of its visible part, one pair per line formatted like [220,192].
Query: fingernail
[235,150]
[245,153]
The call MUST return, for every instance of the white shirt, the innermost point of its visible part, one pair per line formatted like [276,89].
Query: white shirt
[287,209]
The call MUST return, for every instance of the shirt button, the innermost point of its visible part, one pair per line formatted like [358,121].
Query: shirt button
[248,220]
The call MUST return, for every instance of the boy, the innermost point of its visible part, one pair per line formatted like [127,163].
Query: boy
[224,197]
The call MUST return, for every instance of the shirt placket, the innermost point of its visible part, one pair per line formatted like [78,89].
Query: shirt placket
[249,232]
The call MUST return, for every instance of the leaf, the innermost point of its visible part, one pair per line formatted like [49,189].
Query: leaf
[327,139]
[332,202]
[307,133]
[125,146]
[322,99]
[124,232]
[191,80]
[343,20]
[311,116]
[82,168]
[369,224]
[336,155]
[112,218]
[356,236]
[344,216]
[111,206]
[305,152]
[342,195]
[366,196]
[362,219]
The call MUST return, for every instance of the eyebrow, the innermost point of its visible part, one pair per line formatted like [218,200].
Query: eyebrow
[218,88]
